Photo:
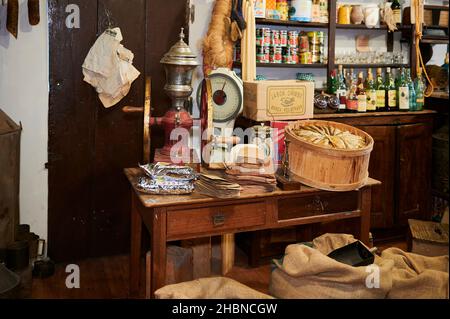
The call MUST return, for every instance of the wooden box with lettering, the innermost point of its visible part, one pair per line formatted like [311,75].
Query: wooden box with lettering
[278,100]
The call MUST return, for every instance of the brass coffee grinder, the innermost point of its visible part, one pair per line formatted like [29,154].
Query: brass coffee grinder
[179,63]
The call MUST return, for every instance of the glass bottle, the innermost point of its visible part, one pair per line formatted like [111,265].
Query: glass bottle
[361,94]
[371,92]
[381,91]
[391,91]
[341,92]
[333,83]
[352,98]
[412,91]
[403,92]
[419,87]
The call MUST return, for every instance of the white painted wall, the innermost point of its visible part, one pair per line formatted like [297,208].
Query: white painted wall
[24,97]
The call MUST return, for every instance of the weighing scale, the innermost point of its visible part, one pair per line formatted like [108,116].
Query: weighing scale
[226,97]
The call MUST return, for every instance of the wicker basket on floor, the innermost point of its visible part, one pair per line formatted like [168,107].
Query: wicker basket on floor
[328,168]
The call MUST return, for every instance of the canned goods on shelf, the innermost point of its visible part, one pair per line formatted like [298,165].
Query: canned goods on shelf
[293,38]
[275,38]
[276,55]
[305,58]
[267,33]
[283,38]
[304,43]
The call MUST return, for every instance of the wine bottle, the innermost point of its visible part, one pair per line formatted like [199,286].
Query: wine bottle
[381,91]
[391,91]
[361,94]
[371,93]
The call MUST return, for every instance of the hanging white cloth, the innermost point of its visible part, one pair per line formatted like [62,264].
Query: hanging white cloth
[108,67]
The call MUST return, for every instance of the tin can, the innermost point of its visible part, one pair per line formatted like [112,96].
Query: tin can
[260,54]
[294,55]
[305,58]
[315,57]
[266,32]
[316,37]
[283,9]
[304,43]
[292,39]
[276,55]
[259,36]
[275,38]
[283,38]
[266,54]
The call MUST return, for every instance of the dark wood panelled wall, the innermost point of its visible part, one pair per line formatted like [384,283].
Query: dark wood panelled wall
[89,145]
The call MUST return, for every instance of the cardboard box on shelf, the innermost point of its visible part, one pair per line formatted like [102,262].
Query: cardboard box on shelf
[278,100]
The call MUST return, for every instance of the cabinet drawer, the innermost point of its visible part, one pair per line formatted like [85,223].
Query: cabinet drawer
[210,219]
[291,208]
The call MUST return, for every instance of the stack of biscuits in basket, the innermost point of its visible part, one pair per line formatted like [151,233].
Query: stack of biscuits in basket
[253,170]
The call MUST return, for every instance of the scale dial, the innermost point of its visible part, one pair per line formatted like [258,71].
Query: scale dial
[227,95]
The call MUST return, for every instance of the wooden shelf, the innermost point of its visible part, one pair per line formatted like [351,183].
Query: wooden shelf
[363,27]
[435,39]
[291,23]
[368,114]
[433,7]
[373,65]
[288,66]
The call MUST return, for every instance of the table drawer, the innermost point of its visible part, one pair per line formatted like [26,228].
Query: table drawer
[210,219]
[329,203]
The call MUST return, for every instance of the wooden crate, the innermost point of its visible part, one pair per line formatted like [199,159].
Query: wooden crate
[278,100]
[327,168]
[428,238]
[9,178]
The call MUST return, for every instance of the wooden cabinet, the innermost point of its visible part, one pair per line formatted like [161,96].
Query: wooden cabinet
[414,143]
[401,160]
[382,168]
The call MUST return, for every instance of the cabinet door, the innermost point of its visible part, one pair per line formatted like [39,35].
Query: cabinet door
[382,167]
[414,171]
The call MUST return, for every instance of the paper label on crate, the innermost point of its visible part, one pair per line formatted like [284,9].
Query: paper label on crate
[286,101]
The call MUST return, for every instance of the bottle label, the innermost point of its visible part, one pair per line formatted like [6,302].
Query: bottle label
[392,99]
[381,99]
[342,95]
[420,101]
[362,103]
[352,104]
[372,101]
[397,16]
[403,95]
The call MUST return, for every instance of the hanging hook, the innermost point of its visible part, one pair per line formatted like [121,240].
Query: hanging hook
[110,23]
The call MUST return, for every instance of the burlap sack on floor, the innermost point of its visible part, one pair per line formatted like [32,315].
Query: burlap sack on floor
[306,273]
[209,288]
[417,276]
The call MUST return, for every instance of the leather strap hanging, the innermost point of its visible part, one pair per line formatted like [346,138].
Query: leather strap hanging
[12,17]
[33,12]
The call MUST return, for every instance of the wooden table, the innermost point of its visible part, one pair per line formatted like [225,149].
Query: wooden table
[171,218]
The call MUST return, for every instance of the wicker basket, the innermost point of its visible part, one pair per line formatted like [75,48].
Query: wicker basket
[328,168]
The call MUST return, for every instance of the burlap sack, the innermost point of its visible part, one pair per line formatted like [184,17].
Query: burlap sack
[417,276]
[308,273]
[209,288]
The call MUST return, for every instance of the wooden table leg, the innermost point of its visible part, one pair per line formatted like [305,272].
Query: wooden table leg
[158,250]
[135,253]
[365,206]
[227,253]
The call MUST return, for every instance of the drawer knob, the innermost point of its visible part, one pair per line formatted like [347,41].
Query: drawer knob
[218,220]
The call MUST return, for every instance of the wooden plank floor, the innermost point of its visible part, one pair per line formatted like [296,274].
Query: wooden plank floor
[107,278]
